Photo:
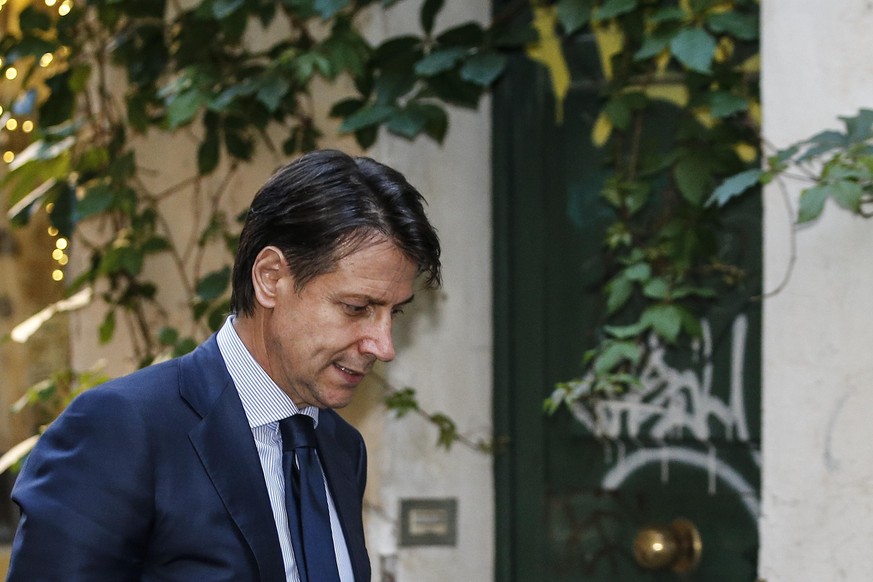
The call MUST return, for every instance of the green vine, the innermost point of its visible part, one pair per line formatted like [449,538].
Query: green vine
[838,165]
[689,67]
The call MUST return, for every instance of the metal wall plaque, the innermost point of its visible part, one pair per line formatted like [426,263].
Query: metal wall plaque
[428,522]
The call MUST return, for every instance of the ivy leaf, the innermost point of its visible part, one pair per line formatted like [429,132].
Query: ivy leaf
[208,153]
[859,128]
[107,327]
[653,45]
[366,117]
[615,353]
[451,88]
[465,35]
[429,11]
[694,48]
[574,14]
[327,9]
[613,8]
[618,291]
[238,145]
[847,193]
[734,186]
[63,215]
[618,113]
[812,202]
[273,92]
[121,258]
[666,320]
[346,50]
[401,402]
[183,107]
[214,284]
[657,288]
[185,346]
[439,61]
[155,244]
[223,8]
[346,107]
[638,272]
[224,99]
[97,199]
[448,433]
[742,26]
[822,143]
[437,121]
[722,104]
[394,61]
[60,103]
[693,177]
[484,68]
[407,122]
[667,14]
[168,336]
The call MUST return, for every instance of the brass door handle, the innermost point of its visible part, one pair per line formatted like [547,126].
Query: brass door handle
[676,546]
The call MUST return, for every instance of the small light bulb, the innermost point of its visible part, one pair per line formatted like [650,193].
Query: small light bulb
[52,231]
[46,59]
[11,73]
[48,208]
[57,254]
[57,275]
[27,126]
[11,124]
[63,260]
[8,156]
[61,243]
[50,2]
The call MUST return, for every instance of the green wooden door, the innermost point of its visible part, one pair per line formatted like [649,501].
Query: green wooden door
[570,503]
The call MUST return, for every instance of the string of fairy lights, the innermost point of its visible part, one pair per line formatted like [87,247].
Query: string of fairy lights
[17,125]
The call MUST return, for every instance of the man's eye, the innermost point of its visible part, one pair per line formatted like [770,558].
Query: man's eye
[355,309]
[396,311]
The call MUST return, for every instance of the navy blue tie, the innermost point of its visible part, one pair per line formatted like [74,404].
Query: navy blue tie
[306,502]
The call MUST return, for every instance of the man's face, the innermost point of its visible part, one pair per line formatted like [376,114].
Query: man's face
[320,342]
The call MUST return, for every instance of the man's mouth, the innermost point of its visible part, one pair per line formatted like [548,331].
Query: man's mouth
[349,371]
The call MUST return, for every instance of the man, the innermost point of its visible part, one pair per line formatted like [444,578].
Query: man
[177,472]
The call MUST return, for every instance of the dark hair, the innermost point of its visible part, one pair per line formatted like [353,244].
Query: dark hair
[325,205]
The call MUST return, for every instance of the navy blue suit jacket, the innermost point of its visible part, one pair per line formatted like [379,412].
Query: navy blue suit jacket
[155,476]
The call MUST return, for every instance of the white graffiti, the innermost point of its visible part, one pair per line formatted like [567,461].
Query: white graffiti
[671,401]
[716,468]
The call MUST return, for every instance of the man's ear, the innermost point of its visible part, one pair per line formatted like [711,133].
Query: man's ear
[269,268]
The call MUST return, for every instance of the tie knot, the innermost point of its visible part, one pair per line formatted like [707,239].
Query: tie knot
[297,431]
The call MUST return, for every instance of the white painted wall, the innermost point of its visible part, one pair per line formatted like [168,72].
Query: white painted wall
[817,519]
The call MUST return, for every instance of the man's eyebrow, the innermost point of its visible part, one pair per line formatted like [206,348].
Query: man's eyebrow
[374,301]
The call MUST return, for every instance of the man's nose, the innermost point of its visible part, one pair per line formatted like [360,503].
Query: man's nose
[378,341]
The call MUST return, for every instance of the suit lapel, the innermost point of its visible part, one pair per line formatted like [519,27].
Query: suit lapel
[223,440]
[338,467]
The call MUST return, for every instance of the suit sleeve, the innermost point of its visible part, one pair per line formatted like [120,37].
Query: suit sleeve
[85,495]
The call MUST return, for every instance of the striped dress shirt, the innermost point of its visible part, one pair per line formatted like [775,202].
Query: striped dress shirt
[265,404]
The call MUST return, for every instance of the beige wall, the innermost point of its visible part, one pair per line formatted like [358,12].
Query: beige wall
[817,520]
